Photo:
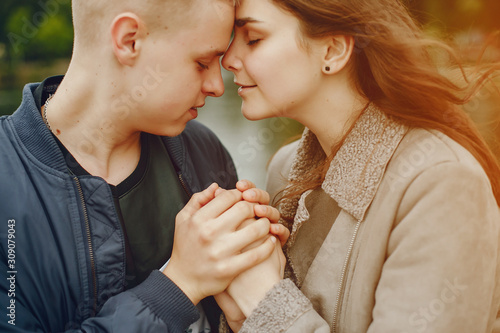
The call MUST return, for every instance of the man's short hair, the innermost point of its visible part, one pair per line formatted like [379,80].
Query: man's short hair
[91,18]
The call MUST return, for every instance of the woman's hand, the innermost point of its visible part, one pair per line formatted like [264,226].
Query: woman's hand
[211,245]
[234,316]
[252,194]
[251,286]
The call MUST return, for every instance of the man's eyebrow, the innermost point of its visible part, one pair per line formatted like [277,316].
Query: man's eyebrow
[242,21]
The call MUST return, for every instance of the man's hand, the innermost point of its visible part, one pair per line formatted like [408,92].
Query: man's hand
[252,194]
[208,242]
[234,316]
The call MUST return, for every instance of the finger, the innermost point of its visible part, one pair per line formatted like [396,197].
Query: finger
[280,231]
[248,259]
[219,191]
[229,307]
[267,211]
[225,302]
[282,263]
[247,222]
[252,235]
[200,199]
[244,185]
[237,242]
[235,215]
[256,195]
[258,241]
[220,204]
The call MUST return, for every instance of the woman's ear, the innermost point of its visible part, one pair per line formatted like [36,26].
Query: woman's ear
[338,53]
[127,31]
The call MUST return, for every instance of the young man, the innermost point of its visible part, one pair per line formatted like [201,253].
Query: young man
[95,166]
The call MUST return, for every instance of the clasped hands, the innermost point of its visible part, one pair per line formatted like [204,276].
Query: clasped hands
[226,244]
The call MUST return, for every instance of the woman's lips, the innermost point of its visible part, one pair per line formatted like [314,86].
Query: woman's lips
[244,89]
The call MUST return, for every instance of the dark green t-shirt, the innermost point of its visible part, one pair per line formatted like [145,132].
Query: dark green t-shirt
[149,208]
[146,202]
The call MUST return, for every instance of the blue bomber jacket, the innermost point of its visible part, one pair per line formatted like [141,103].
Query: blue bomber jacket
[62,253]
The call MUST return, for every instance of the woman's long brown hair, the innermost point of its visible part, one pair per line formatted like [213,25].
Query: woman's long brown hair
[394,66]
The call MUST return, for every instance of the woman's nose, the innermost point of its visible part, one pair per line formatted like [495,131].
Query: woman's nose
[230,61]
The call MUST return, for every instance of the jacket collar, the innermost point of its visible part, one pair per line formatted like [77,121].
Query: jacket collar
[40,143]
[357,169]
[34,134]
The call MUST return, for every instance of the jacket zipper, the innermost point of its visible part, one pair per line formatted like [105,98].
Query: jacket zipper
[183,184]
[89,242]
[342,279]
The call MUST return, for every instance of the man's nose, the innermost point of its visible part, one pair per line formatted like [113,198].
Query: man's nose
[214,84]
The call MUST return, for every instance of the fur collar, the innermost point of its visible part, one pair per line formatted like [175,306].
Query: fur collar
[356,171]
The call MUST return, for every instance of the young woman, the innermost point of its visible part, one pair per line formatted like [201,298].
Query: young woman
[392,196]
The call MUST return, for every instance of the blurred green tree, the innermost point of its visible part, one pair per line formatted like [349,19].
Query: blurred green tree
[33,31]
[41,38]
[41,30]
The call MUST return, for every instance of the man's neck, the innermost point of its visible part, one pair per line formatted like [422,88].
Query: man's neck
[102,144]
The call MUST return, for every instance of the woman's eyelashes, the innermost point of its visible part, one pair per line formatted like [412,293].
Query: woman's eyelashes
[253,37]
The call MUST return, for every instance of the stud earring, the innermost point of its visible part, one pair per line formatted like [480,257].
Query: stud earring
[327,68]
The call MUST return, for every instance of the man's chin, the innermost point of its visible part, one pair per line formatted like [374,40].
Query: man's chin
[171,131]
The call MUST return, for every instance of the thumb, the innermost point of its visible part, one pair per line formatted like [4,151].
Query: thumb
[200,199]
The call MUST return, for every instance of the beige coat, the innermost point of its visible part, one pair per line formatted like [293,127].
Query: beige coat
[403,236]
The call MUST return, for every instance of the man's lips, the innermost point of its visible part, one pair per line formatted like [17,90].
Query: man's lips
[194,110]
[196,107]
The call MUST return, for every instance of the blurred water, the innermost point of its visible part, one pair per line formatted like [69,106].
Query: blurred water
[250,143]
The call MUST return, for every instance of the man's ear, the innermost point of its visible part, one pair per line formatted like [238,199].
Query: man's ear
[338,53]
[127,31]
